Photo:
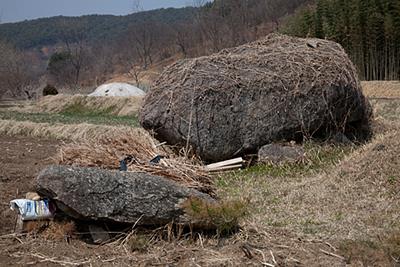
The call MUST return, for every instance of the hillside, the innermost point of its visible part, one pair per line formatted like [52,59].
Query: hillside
[78,53]
[48,31]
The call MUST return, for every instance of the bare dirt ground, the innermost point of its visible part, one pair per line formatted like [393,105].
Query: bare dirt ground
[21,158]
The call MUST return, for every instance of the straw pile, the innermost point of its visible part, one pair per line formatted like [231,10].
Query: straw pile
[106,152]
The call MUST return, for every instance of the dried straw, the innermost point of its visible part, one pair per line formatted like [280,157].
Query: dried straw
[106,152]
[381,89]
[120,106]
[76,132]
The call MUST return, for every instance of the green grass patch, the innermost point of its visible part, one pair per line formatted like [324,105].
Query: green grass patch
[224,216]
[319,156]
[79,108]
[72,116]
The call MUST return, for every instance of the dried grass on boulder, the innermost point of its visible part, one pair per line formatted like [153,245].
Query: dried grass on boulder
[106,152]
[277,88]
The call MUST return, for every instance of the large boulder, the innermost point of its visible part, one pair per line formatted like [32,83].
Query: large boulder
[113,196]
[278,88]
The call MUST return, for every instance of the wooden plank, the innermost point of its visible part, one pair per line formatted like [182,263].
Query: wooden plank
[225,168]
[225,163]
[161,144]
[19,226]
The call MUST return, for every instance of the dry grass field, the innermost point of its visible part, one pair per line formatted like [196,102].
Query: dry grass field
[382,89]
[339,208]
[120,106]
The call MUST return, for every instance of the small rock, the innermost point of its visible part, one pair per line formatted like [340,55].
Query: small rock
[32,196]
[342,139]
[277,153]
[99,234]
[379,147]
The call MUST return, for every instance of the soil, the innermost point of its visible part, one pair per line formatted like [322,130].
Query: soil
[21,159]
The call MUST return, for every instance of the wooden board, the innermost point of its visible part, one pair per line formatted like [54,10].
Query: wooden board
[225,163]
[226,168]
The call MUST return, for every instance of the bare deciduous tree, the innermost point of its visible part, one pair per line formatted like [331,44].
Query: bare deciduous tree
[137,6]
[135,72]
[184,38]
[77,52]
[142,38]
[67,66]
[14,73]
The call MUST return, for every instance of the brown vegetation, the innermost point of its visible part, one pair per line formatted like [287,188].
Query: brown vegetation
[77,61]
[16,72]
[107,152]
[120,106]
[382,89]
[78,132]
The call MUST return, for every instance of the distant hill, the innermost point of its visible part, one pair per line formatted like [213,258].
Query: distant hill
[48,31]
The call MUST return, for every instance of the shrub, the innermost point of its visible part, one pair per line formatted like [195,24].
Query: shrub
[224,216]
[49,90]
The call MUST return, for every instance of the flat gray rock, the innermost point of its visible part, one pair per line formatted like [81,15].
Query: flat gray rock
[124,197]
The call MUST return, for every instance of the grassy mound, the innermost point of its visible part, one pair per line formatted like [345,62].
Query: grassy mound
[82,104]
[75,132]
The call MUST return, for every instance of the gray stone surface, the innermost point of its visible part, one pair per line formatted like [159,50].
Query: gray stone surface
[97,194]
[276,153]
[341,139]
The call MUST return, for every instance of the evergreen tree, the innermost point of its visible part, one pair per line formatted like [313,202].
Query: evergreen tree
[369,30]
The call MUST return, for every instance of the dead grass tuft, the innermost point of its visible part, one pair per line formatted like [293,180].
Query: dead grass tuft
[107,152]
[59,231]
[76,132]
[383,252]
[224,216]
[120,106]
[138,243]
[387,109]
[364,253]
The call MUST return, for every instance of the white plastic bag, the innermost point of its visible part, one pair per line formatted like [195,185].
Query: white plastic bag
[31,210]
